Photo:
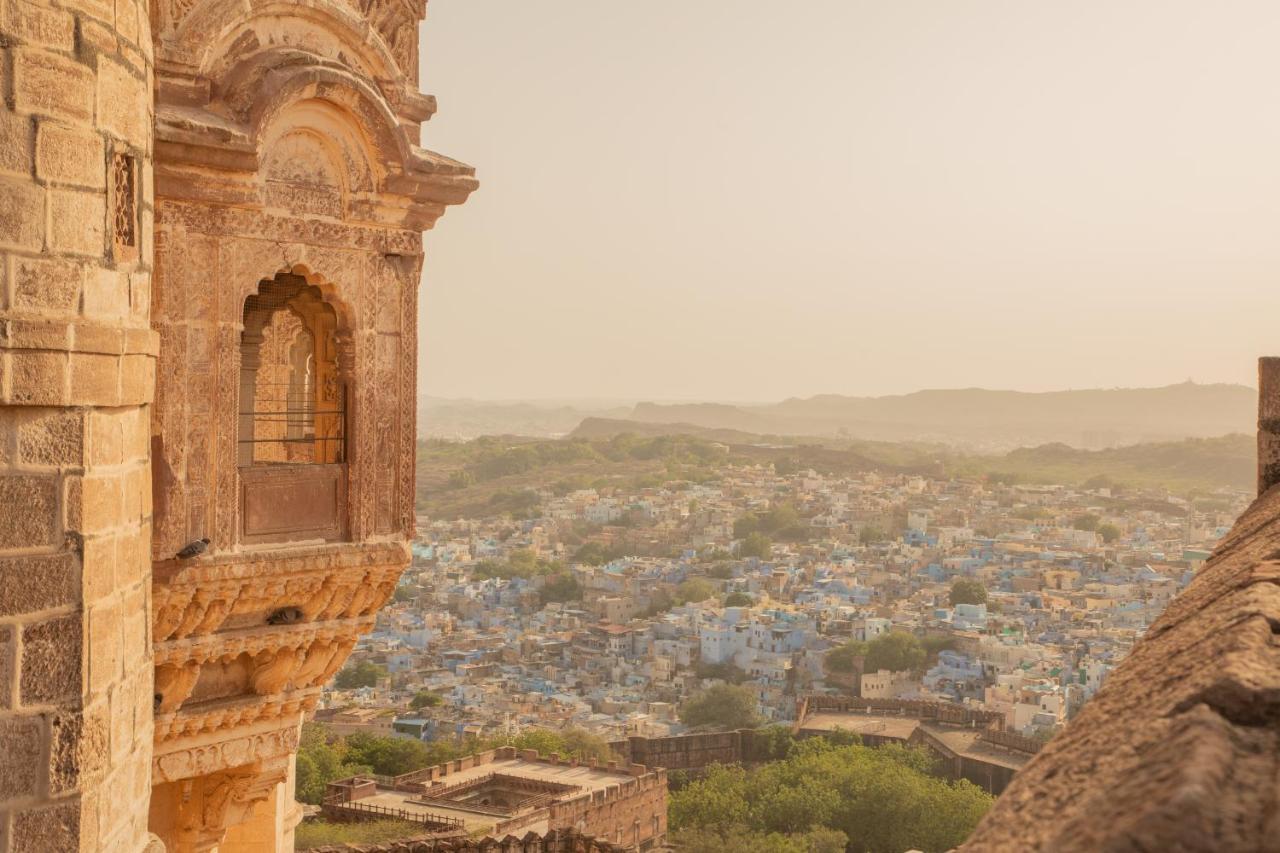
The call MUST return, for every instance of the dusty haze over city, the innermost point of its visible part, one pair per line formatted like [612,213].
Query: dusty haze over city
[737,200]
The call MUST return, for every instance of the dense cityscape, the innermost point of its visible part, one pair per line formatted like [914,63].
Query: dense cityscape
[650,610]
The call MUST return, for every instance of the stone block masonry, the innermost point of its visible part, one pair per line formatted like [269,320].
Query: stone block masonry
[75,383]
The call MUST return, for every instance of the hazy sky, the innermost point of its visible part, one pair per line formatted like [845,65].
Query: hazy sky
[748,200]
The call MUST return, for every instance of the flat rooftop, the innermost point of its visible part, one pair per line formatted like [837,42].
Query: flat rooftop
[583,777]
[962,740]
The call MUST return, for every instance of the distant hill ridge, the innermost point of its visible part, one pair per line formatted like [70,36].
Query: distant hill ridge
[988,419]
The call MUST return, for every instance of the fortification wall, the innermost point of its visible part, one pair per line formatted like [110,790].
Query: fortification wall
[76,380]
[692,751]
[631,813]
[942,712]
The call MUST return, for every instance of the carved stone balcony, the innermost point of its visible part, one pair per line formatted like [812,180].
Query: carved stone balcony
[243,643]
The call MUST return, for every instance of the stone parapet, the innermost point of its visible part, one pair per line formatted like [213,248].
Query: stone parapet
[1180,749]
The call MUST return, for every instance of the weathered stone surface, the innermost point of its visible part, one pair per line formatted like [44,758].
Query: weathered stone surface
[54,438]
[1180,750]
[51,664]
[47,285]
[51,84]
[40,830]
[70,156]
[8,665]
[34,583]
[21,742]
[16,143]
[37,524]
[62,339]
[21,213]
[77,222]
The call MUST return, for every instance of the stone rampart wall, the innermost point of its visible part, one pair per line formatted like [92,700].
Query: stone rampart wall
[77,367]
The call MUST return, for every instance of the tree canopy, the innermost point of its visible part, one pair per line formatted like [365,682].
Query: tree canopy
[425,699]
[967,591]
[896,651]
[1086,521]
[882,800]
[694,590]
[738,599]
[561,588]
[843,659]
[362,674]
[522,563]
[722,706]
[755,544]
[781,521]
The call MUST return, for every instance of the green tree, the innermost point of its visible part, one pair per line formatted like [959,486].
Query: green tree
[755,544]
[694,590]
[935,643]
[721,571]
[1108,532]
[388,756]
[722,706]
[425,699]
[522,563]
[870,534]
[321,759]
[362,674]
[737,599]
[729,672]
[1086,521]
[881,800]
[595,554]
[561,588]
[461,479]
[967,591]
[896,651]
[567,743]
[843,658]
[775,742]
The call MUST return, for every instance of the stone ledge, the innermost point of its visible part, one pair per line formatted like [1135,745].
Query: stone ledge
[1180,750]
[269,638]
[216,724]
[33,333]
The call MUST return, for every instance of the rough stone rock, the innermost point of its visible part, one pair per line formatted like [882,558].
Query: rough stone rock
[1180,749]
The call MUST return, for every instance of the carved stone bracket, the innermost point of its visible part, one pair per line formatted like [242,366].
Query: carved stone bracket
[232,591]
[232,718]
[209,805]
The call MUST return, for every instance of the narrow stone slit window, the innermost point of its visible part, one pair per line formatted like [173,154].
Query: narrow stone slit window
[292,399]
[124,204]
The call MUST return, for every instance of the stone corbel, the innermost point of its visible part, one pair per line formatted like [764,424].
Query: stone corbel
[272,670]
[213,804]
[174,683]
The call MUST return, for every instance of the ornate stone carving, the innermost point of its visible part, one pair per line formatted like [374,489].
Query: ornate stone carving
[231,720]
[397,22]
[333,582]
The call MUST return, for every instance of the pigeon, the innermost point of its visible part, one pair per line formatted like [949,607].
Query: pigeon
[285,616]
[194,549]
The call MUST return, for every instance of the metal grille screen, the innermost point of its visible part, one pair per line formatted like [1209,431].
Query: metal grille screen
[292,403]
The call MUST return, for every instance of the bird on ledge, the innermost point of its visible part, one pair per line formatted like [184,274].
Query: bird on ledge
[194,549]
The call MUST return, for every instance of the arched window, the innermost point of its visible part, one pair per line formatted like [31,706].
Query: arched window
[291,446]
[292,401]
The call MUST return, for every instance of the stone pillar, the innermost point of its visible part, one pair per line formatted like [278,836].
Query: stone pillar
[1268,423]
[76,378]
